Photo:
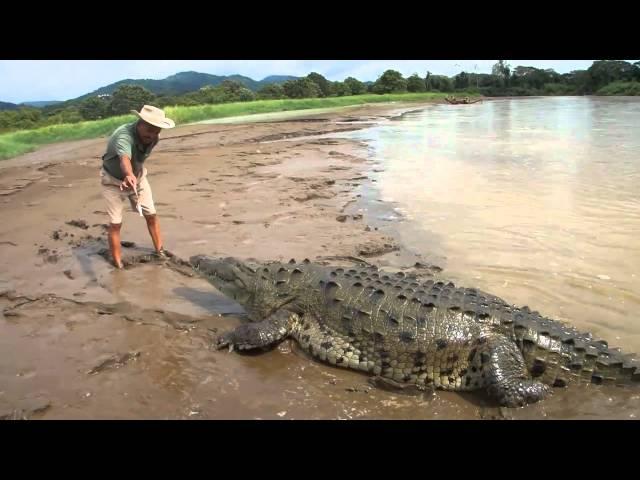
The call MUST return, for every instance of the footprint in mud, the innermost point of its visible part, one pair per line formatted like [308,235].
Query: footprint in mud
[114,361]
[343,218]
[310,196]
[58,234]
[169,260]
[78,223]
[26,413]
[432,268]
[50,256]
[374,249]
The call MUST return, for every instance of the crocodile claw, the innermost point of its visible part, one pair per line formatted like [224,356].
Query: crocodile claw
[224,340]
[230,341]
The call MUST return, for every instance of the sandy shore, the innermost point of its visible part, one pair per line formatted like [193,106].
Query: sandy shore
[81,340]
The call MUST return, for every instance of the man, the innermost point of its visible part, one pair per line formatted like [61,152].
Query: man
[123,175]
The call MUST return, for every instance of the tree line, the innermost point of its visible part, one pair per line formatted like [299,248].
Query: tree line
[605,77]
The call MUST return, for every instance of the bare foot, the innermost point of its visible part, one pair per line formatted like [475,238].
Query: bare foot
[162,253]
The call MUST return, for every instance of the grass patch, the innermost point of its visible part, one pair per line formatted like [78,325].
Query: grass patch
[621,88]
[23,141]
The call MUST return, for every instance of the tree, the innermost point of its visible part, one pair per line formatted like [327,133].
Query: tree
[533,77]
[94,108]
[502,70]
[301,88]
[67,115]
[271,91]
[341,89]
[21,118]
[461,81]
[441,83]
[427,82]
[323,83]
[522,72]
[578,80]
[390,81]
[205,94]
[484,80]
[169,100]
[232,91]
[356,86]
[227,91]
[130,97]
[602,72]
[415,84]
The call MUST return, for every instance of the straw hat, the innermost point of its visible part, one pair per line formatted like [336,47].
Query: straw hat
[154,116]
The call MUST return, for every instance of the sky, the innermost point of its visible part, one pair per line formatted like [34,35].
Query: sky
[37,80]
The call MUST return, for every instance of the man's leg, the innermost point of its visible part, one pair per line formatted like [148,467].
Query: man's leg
[154,230]
[114,198]
[145,197]
[114,243]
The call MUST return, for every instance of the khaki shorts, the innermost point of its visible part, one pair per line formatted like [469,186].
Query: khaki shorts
[115,197]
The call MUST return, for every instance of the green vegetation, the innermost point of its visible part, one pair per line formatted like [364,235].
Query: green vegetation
[16,143]
[192,96]
[621,88]
[524,80]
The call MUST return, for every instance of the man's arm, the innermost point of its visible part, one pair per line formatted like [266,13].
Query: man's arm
[130,180]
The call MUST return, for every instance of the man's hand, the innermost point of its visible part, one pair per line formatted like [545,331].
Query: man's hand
[130,181]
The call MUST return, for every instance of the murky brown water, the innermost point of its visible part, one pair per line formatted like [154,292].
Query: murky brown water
[534,200]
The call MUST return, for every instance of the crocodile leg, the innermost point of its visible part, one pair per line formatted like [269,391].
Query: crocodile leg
[330,346]
[498,364]
[262,334]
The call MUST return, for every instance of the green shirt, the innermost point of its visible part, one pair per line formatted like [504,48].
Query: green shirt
[125,141]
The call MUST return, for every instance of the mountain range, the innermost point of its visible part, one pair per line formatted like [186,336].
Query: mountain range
[177,84]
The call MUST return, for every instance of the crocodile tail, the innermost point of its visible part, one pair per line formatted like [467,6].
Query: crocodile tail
[558,354]
[583,360]
[612,366]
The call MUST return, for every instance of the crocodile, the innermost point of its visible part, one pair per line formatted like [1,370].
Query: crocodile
[401,329]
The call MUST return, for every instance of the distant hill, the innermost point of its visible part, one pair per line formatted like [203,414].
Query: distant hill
[40,104]
[13,106]
[276,79]
[8,106]
[184,82]
[177,84]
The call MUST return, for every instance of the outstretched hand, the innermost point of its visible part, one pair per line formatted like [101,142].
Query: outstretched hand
[130,181]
